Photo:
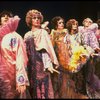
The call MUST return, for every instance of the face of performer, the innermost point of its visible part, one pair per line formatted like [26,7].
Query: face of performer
[36,21]
[60,24]
[74,26]
[87,22]
[4,19]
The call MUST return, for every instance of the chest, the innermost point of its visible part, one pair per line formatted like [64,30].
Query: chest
[9,42]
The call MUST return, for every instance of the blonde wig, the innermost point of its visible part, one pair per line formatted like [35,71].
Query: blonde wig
[87,19]
[30,14]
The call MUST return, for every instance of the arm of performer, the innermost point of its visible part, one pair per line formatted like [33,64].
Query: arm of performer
[21,66]
[48,63]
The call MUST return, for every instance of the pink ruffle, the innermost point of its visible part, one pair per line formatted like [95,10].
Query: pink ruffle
[10,26]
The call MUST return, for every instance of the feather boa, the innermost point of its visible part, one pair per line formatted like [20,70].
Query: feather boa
[78,59]
[78,53]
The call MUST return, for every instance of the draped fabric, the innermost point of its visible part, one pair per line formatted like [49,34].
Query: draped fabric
[40,82]
[66,85]
[42,41]
[93,78]
[91,67]
[60,48]
[63,84]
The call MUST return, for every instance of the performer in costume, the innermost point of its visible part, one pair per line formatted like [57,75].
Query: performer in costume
[13,58]
[42,58]
[89,39]
[64,85]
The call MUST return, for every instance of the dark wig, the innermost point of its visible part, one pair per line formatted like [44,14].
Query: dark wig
[3,13]
[55,20]
[6,13]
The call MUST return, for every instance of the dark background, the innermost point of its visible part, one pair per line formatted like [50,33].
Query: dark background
[66,9]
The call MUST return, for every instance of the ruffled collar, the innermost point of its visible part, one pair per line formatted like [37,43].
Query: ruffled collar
[9,27]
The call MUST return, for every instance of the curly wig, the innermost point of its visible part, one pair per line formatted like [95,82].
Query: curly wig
[30,14]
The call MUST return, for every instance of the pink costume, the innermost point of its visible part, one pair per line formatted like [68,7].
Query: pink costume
[13,59]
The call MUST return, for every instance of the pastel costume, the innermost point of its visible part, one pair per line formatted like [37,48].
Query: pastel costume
[13,60]
[89,39]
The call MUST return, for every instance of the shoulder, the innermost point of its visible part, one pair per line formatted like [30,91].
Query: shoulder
[79,33]
[44,32]
[93,26]
[53,30]
[65,30]
[27,34]
[12,34]
[81,28]
[13,37]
